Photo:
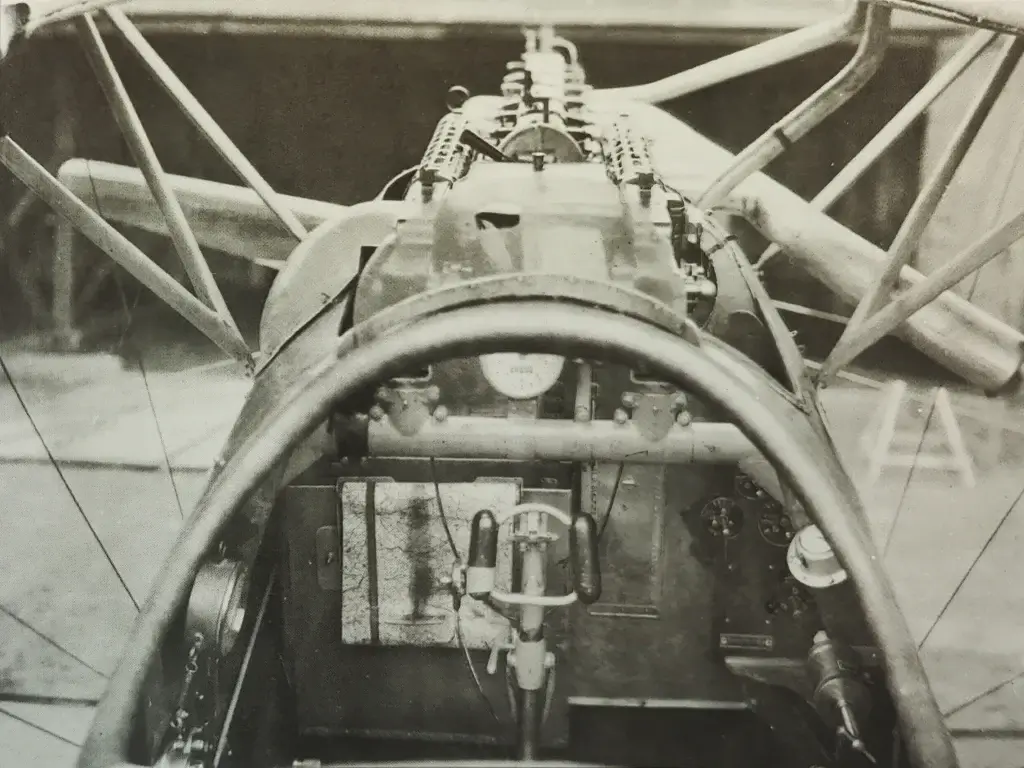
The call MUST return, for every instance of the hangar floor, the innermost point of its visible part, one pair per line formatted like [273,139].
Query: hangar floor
[109,430]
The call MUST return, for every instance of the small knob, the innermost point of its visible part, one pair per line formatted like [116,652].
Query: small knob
[812,561]
[457,96]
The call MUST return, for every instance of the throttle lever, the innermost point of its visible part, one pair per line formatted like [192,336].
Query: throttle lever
[477,142]
[483,558]
[585,559]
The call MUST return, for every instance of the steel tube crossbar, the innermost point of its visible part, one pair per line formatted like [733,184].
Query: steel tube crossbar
[204,122]
[120,249]
[145,155]
[997,15]
[794,126]
[483,437]
[902,307]
[895,128]
[924,207]
[753,59]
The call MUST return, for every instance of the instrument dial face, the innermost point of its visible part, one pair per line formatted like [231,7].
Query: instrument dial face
[521,377]
[723,517]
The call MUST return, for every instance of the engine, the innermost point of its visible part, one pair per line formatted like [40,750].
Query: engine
[519,548]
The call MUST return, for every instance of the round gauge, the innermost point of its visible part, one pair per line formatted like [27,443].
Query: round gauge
[746,487]
[723,517]
[521,377]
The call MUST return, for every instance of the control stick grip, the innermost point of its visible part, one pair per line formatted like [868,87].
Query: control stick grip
[483,554]
[586,564]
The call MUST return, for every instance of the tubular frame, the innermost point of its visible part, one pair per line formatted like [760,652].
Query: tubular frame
[757,57]
[145,155]
[895,128]
[856,338]
[840,89]
[204,122]
[96,229]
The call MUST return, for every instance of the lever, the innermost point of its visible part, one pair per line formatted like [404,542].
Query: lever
[477,142]
[586,563]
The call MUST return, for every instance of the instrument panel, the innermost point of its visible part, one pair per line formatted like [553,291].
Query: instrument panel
[759,607]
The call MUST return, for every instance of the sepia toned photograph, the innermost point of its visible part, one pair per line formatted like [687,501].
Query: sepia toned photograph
[511,383]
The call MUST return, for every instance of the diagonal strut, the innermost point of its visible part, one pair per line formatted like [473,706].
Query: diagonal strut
[145,155]
[869,323]
[120,249]
[204,122]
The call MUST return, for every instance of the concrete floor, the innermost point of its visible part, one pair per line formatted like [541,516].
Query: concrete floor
[96,418]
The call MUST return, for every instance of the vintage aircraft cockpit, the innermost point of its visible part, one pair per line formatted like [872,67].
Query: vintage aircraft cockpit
[531,468]
[529,548]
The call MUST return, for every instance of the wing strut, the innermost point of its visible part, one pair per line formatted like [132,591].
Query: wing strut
[840,89]
[895,128]
[120,249]
[204,122]
[209,312]
[145,155]
[869,323]
[786,47]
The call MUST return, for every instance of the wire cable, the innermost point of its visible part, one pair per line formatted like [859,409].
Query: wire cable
[611,500]
[50,641]
[64,481]
[984,694]
[910,476]
[444,517]
[457,599]
[37,727]
[970,569]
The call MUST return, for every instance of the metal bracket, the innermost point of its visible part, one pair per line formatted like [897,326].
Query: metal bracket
[328,558]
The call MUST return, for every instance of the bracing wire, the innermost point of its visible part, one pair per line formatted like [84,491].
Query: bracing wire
[64,481]
[160,436]
[49,640]
[1006,515]
[444,517]
[37,727]
[611,500]
[970,296]
[129,321]
[984,694]
[971,567]
[472,671]
[910,477]
[999,206]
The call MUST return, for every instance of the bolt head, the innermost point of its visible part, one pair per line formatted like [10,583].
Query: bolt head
[684,419]
[376,413]
[440,413]
[620,416]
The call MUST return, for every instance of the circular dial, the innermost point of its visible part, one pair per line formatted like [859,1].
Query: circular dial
[723,517]
[521,377]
